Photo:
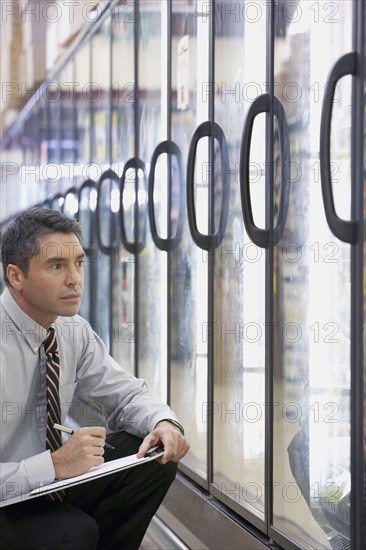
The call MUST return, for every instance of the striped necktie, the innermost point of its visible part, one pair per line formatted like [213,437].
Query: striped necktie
[53,437]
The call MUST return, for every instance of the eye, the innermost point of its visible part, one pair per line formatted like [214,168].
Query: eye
[56,266]
[80,263]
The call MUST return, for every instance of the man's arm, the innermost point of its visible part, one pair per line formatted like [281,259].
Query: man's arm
[122,399]
[18,478]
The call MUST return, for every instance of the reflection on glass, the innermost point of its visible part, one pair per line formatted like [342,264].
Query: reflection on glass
[57,202]
[129,201]
[160,195]
[99,93]
[239,339]
[122,131]
[71,206]
[123,86]
[189,264]
[83,156]
[43,116]
[124,334]
[30,188]
[312,289]
[152,295]
[85,216]
[53,95]
[83,107]
[108,202]
[67,79]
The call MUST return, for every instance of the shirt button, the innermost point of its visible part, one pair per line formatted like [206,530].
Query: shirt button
[35,348]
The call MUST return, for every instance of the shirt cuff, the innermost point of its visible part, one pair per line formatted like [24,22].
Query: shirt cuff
[40,470]
[174,422]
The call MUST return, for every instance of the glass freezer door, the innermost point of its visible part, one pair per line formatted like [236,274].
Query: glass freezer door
[239,267]
[123,337]
[100,158]
[152,278]
[311,284]
[188,289]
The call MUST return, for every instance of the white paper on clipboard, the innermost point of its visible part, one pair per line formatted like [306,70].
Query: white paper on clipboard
[98,471]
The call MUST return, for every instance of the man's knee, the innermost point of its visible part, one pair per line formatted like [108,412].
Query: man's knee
[165,474]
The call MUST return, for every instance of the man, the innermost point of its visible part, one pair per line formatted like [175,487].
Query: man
[49,357]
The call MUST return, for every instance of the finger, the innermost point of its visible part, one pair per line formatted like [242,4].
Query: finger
[98,451]
[169,450]
[149,441]
[98,445]
[95,431]
[144,447]
[98,461]
[176,449]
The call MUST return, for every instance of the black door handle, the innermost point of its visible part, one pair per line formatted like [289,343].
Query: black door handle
[208,242]
[87,184]
[260,237]
[346,231]
[263,237]
[132,246]
[170,148]
[111,246]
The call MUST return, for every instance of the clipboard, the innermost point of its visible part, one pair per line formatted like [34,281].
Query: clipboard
[96,472]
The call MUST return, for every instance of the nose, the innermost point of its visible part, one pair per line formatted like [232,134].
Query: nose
[73,276]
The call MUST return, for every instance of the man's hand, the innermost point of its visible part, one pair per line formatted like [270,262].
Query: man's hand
[82,451]
[175,444]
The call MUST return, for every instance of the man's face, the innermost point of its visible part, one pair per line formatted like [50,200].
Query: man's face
[54,283]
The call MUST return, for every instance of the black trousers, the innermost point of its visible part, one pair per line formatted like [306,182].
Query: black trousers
[112,512]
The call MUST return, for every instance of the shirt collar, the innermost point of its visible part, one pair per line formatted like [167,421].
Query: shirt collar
[31,332]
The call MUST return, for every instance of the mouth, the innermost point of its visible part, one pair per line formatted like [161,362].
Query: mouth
[71,297]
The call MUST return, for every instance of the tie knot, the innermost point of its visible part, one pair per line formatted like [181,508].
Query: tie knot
[50,341]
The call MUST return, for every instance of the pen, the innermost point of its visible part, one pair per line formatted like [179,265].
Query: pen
[70,432]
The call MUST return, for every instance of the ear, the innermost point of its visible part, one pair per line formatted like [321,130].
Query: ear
[15,276]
